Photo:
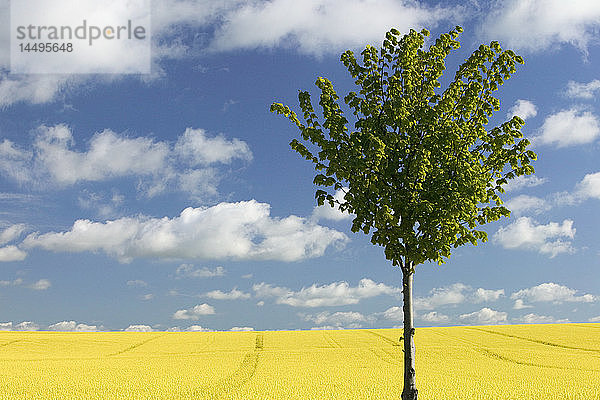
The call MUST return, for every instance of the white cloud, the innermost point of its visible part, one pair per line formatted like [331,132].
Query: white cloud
[484,295]
[454,294]
[188,271]
[350,319]
[147,297]
[525,233]
[588,188]
[485,316]
[570,127]
[195,312]
[234,294]
[537,25]
[11,233]
[520,305]
[332,213]
[539,319]
[594,319]
[11,253]
[72,326]
[15,282]
[334,294]
[26,326]
[583,90]
[198,328]
[6,326]
[321,26]
[139,328]
[196,148]
[33,88]
[241,329]
[42,284]
[552,292]
[240,231]
[434,317]
[525,204]
[522,108]
[524,181]
[394,314]
[188,165]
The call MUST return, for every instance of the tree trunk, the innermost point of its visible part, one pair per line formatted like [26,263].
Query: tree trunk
[410,388]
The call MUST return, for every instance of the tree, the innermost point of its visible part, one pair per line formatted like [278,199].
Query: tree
[420,170]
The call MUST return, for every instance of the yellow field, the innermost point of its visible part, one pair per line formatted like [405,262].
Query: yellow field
[493,362]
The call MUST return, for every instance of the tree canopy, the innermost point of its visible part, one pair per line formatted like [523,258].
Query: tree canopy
[421,169]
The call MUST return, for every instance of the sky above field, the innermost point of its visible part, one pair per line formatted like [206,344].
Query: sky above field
[172,200]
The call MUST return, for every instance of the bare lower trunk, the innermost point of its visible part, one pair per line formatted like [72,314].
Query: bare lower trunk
[410,388]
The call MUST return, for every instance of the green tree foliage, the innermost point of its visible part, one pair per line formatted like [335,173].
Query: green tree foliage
[422,170]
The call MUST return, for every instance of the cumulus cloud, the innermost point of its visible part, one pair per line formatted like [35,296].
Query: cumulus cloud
[11,253]
[139,328]
[456,293]
[72,326]
[552,292]
[522,108]
[349,319]
[241,329]
[6,326]
[527,204]
[524,181]
[42,284]
[334,294]
[594,319]
[571,127]
[189,165]
[11,233]
[485,295]
[519,305]
[539,319]
[587,188]
[313,27]
[26,326]
[188,271]
[321,26]
[525,233]
[583,90]
[198,328]
[393,313]
[234,294]
[485,316]
[537,25]
[239,231]
[434,317]
[194,313]
[332,213]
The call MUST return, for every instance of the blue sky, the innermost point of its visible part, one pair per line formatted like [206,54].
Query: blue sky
[173,201]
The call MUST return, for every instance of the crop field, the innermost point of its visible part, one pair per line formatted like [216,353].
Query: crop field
[488,362]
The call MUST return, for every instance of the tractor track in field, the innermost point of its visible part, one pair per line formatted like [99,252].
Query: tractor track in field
[11,342]
[562,346]
[331,341]
[387,339]
[135,346]
[387,354]
[238,378]
[497,356]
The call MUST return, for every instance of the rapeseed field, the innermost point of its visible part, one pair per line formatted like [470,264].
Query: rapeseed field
[560,361]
